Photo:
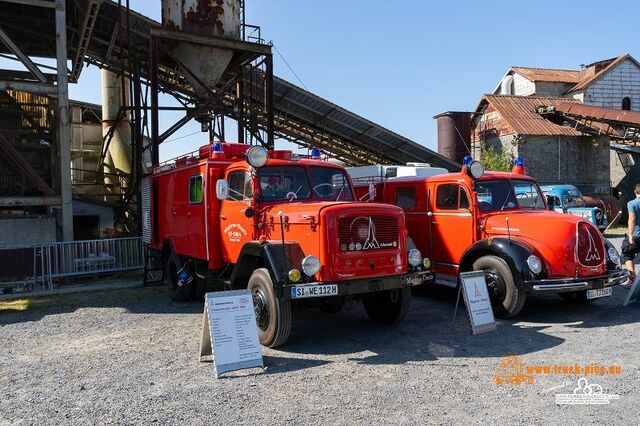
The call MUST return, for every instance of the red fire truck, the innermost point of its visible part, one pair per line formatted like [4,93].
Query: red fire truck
[497,222]
[286,227]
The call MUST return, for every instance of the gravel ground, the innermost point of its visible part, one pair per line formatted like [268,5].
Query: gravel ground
[128,356]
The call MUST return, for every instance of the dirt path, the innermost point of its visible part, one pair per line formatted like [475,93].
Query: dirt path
[128,356]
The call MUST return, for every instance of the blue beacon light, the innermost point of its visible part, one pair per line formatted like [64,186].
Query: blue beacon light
[315,153]
[519,161]
[467,160]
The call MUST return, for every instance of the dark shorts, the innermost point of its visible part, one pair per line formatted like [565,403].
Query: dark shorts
[629,251]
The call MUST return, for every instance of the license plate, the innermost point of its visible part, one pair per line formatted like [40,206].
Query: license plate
[314,290]
[600,292]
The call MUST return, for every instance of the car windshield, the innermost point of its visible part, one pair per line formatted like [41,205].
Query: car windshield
[279,183]
[572,201]
[504,194]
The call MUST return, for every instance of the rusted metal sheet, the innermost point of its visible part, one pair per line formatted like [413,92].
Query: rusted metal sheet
[454,134]
[550,75]
[506,115]
[611,115]
[211,17]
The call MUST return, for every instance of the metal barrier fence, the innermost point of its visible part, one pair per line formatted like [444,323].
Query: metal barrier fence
[74,258]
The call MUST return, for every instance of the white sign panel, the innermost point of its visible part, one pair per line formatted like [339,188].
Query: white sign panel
[476,297]
[229,332]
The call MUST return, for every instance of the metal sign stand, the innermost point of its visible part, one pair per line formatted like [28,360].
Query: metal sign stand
[229,332]
[476,298]
[634,292]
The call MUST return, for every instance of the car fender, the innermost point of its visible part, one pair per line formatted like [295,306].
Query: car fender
[254,255]
[514,251]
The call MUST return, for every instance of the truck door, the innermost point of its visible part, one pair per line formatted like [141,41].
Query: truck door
[412,199]
[195,223]
[235,227]
[452,225]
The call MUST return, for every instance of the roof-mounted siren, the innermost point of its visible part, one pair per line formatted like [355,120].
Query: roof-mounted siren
[218,151]
[471,167]
[518,166]
[315,153]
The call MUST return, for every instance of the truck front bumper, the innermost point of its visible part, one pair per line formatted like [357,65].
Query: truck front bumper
[354,287]
[559,285]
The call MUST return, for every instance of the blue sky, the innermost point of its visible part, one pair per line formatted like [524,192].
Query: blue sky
[399,65]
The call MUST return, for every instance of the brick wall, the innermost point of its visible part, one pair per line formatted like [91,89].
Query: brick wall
[580,161]
[622,81]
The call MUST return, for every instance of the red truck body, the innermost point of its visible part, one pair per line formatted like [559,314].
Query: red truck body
[213,213]
[455,220]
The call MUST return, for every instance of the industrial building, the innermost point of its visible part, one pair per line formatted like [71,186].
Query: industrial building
[532,113]
[60,154]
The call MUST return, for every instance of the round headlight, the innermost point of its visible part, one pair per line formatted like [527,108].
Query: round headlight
[294,275]
[476,169]
[257,156]
[535,264]
[414,257]
[613,255]
[310,265]
[426,262]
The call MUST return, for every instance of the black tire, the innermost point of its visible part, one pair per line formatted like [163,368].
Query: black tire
[506,299]
[273,316]
[577,297]
[388,307]
[331,305]
[179,293]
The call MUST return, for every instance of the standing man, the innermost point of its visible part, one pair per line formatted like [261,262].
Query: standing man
[631,244]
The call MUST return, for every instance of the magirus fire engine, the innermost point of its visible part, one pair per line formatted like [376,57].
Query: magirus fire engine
[287,227]
[499,223]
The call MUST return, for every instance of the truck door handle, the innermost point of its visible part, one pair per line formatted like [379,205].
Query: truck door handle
[434,223]
[223,217]
[189,214]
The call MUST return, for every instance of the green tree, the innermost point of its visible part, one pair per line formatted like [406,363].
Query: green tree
[494,160]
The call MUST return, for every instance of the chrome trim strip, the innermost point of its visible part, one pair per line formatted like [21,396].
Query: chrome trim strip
[551,287]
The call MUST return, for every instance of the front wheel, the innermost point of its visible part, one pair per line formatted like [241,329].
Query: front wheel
[506,299]
[388,307]
[273,316]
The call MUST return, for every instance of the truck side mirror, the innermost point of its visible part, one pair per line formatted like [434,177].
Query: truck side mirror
[549,202]
[222,189]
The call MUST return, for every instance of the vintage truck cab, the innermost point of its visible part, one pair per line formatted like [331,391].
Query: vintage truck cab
[568,199]
[498,222]
[287,227]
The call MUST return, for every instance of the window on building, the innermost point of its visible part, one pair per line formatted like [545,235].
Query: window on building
[451,197]
[195,189]
[406,198]
[626,103]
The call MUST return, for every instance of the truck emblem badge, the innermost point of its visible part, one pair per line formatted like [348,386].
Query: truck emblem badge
[371,242]
[592,252]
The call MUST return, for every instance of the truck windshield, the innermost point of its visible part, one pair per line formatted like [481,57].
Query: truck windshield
[283,183]
[330,184]
[289,183]
[504,194]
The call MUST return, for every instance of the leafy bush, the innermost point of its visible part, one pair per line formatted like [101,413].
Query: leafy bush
[494,160]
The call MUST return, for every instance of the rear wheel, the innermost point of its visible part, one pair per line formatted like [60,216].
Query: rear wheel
[577,297]
[506,299]
[179,290]
[388,307]
[273,316]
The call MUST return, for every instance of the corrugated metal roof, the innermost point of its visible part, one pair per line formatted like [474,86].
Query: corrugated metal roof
[599,113]
[520,113]
[550,75]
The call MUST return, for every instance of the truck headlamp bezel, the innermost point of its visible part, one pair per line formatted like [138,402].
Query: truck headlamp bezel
[310,265]
[414,257]
[257,156]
